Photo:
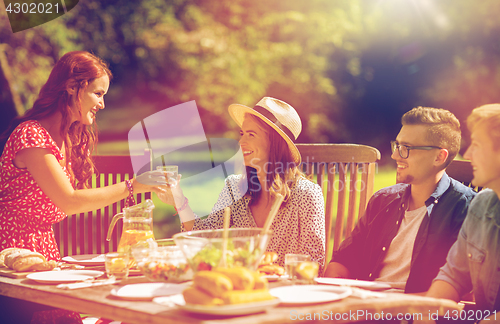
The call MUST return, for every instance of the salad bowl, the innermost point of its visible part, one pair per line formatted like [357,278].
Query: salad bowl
[204,249]
[162,262]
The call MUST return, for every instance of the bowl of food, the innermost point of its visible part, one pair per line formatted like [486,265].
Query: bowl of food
[164,262]
[204,249]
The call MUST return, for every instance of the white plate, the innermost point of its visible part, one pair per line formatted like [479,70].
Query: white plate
[272,278]
[148,291]
[309,294]
[222,310]
[64,276]
[85,259]
[370,285]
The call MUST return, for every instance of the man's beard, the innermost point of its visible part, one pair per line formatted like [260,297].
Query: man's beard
[403,179]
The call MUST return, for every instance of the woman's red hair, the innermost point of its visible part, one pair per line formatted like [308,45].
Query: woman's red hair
[73,70]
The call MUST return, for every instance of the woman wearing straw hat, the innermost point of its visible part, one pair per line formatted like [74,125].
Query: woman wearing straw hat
[271,158]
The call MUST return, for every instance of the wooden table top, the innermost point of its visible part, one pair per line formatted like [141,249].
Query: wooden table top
[98,301]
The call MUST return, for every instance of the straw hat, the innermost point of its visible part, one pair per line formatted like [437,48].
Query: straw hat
[277,114]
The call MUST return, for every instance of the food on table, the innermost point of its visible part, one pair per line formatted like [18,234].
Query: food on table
[267,265]
[260,282]
[165,270]
[163,263]
[209,257]
[213,283]
[4,252]
[203,249]
[241,278]
[227,286]
[21,260]
[271,270]
[200,297]
[245,296]
[268,258]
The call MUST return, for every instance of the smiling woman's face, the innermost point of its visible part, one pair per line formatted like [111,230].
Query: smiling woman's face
[91,99]
[254,142]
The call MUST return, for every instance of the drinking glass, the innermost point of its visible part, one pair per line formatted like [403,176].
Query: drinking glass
[296,266]
[117,265]
[170,168]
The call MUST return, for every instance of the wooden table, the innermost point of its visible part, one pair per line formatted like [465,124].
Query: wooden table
[99,302]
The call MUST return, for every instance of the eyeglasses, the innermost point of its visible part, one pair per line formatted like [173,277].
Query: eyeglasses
[404,150]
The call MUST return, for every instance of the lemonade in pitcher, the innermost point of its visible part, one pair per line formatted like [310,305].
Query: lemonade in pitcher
[133,236]
[137,226]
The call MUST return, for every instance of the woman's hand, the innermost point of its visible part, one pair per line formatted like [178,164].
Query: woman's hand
[152,178]
[173,194]
[150,181]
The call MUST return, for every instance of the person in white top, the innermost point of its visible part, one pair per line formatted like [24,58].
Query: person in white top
[268,131]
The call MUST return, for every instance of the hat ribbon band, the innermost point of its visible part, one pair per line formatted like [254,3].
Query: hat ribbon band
[271,117]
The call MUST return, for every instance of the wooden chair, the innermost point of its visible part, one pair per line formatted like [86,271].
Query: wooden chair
[461,170]
[345,196]
[85,233]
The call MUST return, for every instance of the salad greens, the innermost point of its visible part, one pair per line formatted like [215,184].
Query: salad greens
[209,256]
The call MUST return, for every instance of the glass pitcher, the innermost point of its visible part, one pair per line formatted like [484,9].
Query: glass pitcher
[137,226]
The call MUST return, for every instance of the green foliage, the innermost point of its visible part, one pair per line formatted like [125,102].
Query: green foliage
[321,56]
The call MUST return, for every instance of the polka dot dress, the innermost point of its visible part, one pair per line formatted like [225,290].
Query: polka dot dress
[26,213]
[299,226]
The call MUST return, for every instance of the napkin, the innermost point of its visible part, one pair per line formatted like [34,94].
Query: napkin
[87,284]
[363,294]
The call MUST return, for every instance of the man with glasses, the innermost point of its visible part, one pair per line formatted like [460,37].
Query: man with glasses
[405,234]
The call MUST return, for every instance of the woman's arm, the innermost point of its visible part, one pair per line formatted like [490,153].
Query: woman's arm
[312,225]
[174,197]
[50,177]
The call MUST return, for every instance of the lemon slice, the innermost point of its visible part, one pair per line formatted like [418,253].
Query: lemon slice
[118,264]
[307,270]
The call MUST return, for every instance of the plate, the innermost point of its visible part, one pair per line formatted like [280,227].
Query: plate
[147,291]
[222,310]
[272,278]
[370,285]
[85,259]
[309,294]
[64,276]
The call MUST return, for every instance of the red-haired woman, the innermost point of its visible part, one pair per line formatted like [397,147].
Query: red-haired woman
[46,163]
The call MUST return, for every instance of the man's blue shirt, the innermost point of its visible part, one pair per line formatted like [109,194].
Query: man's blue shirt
[474,260]
[365,249]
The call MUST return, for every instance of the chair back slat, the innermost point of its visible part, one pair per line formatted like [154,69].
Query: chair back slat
[329,201]
[461,171]
[351,209]
[339,225]
[85,233]
[346,173]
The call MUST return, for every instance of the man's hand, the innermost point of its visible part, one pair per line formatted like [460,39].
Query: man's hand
[337,270]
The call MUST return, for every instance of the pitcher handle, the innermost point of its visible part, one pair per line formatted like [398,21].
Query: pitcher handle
[112,225]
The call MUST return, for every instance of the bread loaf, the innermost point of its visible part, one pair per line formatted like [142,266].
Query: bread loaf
[268,258]
[272,269]
[241,277]
[198,296]
[5,252]
[11,257]
[27,261]
[22,260]
[213,283]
